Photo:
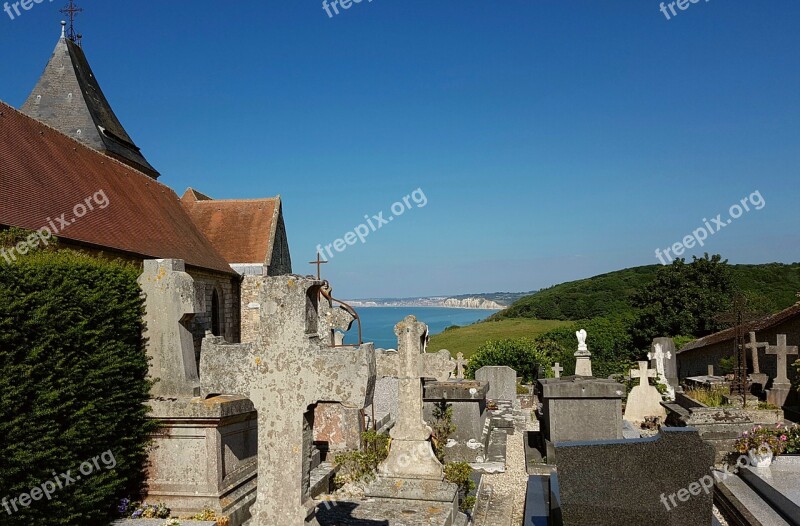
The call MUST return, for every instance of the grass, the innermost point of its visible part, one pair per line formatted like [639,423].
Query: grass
[467,339]
[713,397]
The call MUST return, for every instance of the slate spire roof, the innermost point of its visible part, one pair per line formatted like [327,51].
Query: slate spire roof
[69,99]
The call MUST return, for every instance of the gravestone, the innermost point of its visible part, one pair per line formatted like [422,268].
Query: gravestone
[657,358]
[204,455]
[170,306]
[578,408]
[557,370]
[644,399]
[285,373]
[669,367]
[781,386]
[502,382]
[662,480]
[710,369]
[467,400]
[411,435]
[753,346]
[460,363]
[583,358]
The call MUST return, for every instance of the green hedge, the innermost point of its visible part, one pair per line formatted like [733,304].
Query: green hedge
[73,382]
[521,354]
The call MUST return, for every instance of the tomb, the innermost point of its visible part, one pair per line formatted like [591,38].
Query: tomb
[644,400]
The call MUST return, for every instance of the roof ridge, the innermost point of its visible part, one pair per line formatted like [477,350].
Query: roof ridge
[253,200]
[80,144]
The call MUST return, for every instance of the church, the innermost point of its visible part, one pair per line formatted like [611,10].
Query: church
[66,144]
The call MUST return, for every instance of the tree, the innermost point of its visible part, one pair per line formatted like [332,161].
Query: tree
[684,299]
[520,354]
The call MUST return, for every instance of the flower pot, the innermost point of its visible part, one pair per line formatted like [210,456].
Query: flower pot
[760,459]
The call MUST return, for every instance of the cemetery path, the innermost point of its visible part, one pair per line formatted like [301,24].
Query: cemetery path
[501,501]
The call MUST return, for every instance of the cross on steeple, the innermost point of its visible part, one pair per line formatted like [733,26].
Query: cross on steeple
[319,262]
[71,10]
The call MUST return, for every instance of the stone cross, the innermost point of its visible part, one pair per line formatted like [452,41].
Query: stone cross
[411,455]
[460,363]
[782,351]
[659,357]
[753,346]
[583,362]
[170,306]
[285,374]
[643,373]
[557,369]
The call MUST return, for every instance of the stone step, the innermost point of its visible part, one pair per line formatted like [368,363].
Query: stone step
[778,487]
[742,506]
[321,479]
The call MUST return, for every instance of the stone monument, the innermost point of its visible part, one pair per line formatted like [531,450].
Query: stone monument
[670,363]
[285,373]
[583,358]
[753,346]
[644,400]
[502,382]
[658,357]
[781,386]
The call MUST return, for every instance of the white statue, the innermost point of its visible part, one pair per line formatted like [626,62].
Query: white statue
[581,334]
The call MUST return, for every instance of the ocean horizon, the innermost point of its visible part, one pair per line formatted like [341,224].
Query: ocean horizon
[378,322]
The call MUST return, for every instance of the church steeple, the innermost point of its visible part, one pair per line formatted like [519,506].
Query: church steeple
[68,98]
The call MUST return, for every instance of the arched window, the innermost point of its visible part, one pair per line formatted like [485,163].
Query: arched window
[216,314]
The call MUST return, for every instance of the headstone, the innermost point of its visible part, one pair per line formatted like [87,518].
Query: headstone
[411,435]
[467,401]
[502,382]
[669,363]
[711,369]
[781,386]
[664,479]
[757,377]
[557,370]
[285,374]
[644,400]
[170,306]
[577,408]
[460,363]
[583,358]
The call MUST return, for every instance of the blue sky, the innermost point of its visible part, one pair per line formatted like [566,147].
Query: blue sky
[553,139]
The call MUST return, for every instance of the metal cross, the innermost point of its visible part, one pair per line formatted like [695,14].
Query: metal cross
[71,10]
[319,262]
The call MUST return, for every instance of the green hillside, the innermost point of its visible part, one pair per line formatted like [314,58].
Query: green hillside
[769,287]
[467,339]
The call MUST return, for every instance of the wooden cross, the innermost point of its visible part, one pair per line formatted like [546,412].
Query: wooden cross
[460,363]
[319,262]
[557,370]
[71,10]
[643,373]
[782,351]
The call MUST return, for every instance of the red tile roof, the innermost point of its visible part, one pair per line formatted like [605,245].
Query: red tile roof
[760,324]
[44,174]
[242,230]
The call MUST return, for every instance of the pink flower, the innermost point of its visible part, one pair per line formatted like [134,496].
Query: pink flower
[784,438]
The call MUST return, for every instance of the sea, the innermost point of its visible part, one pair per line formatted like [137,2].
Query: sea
[378,322]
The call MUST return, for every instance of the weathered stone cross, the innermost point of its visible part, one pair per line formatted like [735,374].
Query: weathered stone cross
[411,454]
[643,373]
[285,374]
[782,351]
[753,346]
[460,363]
[659,357]
[557,370]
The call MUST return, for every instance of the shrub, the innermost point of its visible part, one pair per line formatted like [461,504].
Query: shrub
[73,384]
[520,354]
[459,474]
[793,440]
[442,427]
[360,466]
[709,396]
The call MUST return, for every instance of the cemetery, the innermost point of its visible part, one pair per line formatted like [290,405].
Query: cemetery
[231,389]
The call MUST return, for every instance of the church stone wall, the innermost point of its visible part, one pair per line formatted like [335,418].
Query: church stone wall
[228,290]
